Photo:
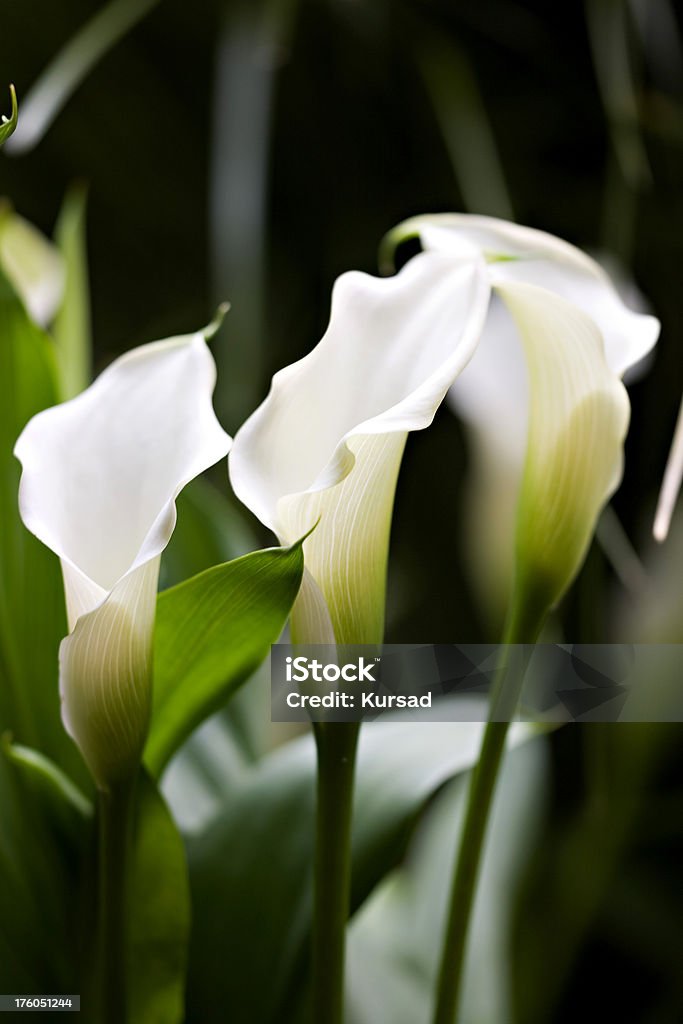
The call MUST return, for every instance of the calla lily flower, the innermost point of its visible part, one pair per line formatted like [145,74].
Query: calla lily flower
[542,393]
[100,477]
[32,264]
[326,444]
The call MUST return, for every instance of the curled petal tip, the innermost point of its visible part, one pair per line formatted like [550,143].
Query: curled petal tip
[390,243]
[385,256]
[8,124]
[212,329]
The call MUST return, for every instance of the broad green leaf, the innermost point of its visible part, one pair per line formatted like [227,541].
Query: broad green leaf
[67,809]
[32,619]
[395,940]
[197,777]
[40,872]
[255,860]
[159,911]
[71,329]
[212,632]
[212,529]
[9,124]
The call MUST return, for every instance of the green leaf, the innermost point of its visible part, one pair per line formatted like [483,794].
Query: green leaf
[212,632]
[32,618]
[212,529]
[255,860]
[197,777]
[68,808]
[159,913]
[40,874]
[395,941]
[8,124]
[71,329]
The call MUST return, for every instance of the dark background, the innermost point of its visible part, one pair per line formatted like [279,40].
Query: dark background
[254,152]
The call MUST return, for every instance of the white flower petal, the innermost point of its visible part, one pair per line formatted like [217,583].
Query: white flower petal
[628,336]
[579,414]
[33,266]
[310,620]
[390,353]
[102,471]
[496,378]
[347,552]
[490,514]
[100,477]
[524,254]
[80,592]
[326,444]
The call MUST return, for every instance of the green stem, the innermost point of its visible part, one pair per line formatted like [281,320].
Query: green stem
[523,627]
[336,743]
[114,839]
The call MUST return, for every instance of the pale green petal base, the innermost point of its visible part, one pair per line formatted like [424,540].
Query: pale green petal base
[310,620]
[106,677]
[579,415]
[347,552]
[33,265]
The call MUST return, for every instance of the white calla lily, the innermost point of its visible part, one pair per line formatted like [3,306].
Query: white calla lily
[33,266]
[326,444]
[100,477]
[542,393]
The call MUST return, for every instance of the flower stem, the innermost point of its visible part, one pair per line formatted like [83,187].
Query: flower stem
[114,839]
[336,743]
[522,627]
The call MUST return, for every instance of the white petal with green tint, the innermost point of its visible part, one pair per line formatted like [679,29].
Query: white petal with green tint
[346,555]
[33,265]
[100,477]
[105,672]
[497,376]
[326,443]
[578,419]
[517,253]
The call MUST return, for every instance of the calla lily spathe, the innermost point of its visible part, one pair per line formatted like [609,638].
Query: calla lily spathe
[326,444]
[33,266]
[100,477]
[542,393]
